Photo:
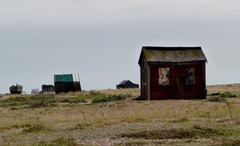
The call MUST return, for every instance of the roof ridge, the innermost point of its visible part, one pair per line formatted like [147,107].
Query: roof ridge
[169,48]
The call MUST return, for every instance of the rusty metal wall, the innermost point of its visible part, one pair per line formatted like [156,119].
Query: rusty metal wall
[197,91]
[177,88]
[144,79]
[64,87]
[158,91]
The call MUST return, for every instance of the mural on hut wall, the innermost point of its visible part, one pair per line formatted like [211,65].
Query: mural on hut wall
[190,77]
[163,79]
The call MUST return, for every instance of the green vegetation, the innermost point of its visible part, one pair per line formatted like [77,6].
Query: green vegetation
[221,97]
[228,95]
[109,98]
[39,101]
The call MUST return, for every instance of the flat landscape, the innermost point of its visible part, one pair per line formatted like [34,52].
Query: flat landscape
[111,117]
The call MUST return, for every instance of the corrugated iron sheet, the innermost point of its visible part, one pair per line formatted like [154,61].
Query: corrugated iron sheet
[63,78]
[173,54]
[177,88]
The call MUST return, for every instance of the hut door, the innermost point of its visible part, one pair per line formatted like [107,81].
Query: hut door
[177,95]
[180,88]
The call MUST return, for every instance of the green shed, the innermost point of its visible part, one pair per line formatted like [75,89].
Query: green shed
[67,83]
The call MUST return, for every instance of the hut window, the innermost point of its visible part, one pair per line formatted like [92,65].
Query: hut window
[163,76]
[190,77]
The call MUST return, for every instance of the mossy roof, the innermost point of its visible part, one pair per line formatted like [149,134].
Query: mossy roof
[172,54]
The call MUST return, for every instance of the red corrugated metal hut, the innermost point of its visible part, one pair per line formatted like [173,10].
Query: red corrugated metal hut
[172,73]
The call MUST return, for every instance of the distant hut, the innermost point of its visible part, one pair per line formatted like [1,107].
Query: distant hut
[67,83]
[127,84]
[172,73]
[16,89]
[47,88]
[35,91]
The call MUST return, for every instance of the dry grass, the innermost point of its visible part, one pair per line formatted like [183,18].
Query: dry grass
[233,88]
[129,92]
[124,122]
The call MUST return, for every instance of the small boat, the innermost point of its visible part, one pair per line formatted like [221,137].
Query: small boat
[16,89]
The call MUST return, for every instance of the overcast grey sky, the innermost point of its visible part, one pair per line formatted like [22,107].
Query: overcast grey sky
[102,39]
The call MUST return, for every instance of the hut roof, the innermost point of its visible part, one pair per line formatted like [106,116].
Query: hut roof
[124,82]
[172,54]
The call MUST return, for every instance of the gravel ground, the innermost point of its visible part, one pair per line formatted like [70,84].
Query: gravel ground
[97,136]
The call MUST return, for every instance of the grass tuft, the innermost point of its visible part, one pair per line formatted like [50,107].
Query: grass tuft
[195,132]
[228,95]
[59,142]
[216,99]
[33,128]
[38,104]
[109,98]
[181,120]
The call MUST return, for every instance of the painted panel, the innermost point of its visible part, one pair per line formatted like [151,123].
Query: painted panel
[190,76]
[163,74]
